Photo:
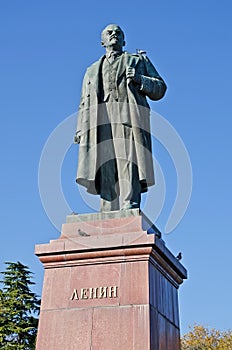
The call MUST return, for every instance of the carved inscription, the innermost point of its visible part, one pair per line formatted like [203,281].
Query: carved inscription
[95,293]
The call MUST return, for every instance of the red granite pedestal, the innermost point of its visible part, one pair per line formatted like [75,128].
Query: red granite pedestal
[110,283]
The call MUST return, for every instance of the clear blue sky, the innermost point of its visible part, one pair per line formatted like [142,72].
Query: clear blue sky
[45,49]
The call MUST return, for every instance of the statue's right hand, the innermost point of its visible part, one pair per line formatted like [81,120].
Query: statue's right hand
[77,138]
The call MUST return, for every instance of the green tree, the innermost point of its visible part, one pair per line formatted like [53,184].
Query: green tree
[203,338]
[19,308]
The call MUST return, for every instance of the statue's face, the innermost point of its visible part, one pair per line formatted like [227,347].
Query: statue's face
[113,37]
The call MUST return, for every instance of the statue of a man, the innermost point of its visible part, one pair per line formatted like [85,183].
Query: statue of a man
[113,130]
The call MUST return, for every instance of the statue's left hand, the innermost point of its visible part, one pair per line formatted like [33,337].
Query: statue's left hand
[131,74]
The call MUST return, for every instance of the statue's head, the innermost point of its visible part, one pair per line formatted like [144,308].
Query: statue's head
[112,37]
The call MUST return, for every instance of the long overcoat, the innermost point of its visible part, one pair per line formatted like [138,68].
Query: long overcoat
[134,112]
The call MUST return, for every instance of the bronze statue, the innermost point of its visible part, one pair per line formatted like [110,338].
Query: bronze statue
[113,131]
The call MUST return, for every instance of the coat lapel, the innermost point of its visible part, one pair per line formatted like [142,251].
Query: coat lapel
[94,74]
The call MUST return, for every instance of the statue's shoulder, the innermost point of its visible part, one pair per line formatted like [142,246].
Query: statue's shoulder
[95,65]
[142,55]
[128,54]
[137,57]
[134,60]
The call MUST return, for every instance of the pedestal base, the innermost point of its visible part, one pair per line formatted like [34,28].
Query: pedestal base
[109,285]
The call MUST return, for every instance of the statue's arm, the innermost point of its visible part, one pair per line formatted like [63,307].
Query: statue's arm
[151,83]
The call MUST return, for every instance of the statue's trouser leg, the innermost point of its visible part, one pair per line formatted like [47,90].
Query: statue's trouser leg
[130,189]
[109,186]
[127,170]
[109,205]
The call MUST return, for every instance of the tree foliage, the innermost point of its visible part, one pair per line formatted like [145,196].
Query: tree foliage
[19,308]
[203,338]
